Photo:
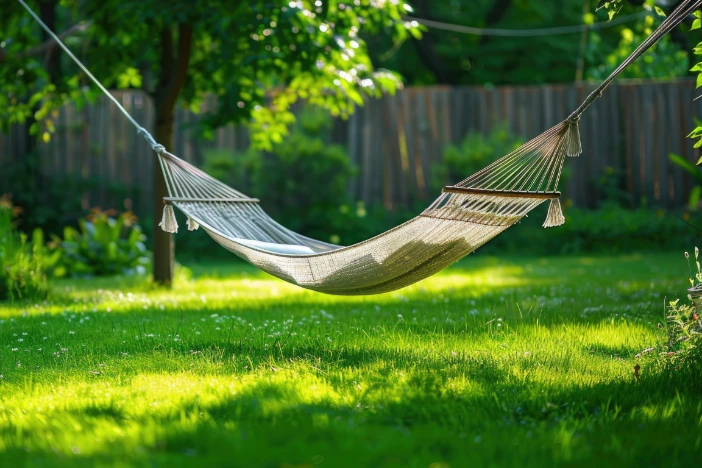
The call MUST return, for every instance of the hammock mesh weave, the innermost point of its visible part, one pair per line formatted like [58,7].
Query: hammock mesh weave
[462,219]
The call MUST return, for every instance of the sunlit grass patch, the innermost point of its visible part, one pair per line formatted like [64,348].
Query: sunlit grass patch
[236,367]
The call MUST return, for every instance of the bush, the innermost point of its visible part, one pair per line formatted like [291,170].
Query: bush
[21,273]
[105,244]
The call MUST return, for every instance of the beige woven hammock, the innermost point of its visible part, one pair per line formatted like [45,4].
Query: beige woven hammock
[464,217]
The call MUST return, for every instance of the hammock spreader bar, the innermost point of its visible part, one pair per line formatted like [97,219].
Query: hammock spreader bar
[464,216]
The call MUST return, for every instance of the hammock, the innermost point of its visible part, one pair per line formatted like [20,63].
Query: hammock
[464,216]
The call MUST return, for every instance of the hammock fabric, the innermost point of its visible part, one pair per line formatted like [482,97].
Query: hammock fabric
[464,217]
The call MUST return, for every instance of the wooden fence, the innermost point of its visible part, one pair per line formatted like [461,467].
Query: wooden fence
[395,141]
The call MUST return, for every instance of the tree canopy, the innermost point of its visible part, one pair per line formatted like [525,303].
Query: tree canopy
[184,50]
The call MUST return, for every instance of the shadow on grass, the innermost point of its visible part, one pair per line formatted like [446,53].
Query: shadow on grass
[620,420]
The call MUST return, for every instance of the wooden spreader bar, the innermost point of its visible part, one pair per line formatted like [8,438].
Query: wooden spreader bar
[501,193]
[168,200]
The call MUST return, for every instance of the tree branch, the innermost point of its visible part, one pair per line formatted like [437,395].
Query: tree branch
[50,44]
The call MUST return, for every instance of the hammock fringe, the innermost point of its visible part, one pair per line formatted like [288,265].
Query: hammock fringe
[555,214]
[168,221]
[573,145]
[192,225]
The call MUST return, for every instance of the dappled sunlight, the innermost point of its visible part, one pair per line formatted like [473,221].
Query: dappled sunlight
[480,349]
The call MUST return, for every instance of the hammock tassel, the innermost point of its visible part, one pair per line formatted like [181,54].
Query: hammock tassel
[555,214]
[192,224]
[168,222]
[573,146]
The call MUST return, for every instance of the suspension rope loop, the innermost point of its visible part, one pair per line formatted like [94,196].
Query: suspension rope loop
[157,147]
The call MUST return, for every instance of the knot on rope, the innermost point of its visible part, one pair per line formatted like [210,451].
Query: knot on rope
[157,147]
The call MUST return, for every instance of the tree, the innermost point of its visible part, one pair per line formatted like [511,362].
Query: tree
[257,56]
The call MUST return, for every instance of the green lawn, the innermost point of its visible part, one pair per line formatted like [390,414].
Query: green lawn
[509,361]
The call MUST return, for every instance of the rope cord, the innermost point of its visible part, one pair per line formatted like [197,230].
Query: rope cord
[160,149]
[538,32]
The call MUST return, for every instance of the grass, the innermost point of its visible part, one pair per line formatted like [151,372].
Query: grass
[524,361]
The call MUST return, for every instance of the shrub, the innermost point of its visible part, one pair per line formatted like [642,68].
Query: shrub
[105,244]
[21,273]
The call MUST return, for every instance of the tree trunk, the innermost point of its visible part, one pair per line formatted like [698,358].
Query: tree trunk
[174,70]
[164,242]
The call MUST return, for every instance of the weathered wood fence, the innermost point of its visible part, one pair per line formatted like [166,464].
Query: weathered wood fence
[395,141]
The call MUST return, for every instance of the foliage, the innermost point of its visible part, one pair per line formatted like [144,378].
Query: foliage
[475,152]
[665,60]
[103,245]
[696,173]
[21,273]
[236,50]
[683,344]
[237,365]
[608,229]
[455,58]
[697,69]
[613,6]
[684,328]
[683,320]
[52,202]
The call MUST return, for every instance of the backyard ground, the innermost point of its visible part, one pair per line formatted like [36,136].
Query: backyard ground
[509,361]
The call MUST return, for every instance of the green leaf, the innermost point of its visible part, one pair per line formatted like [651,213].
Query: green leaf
[659,11]
[685,165]
[696,24]
[695,196]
